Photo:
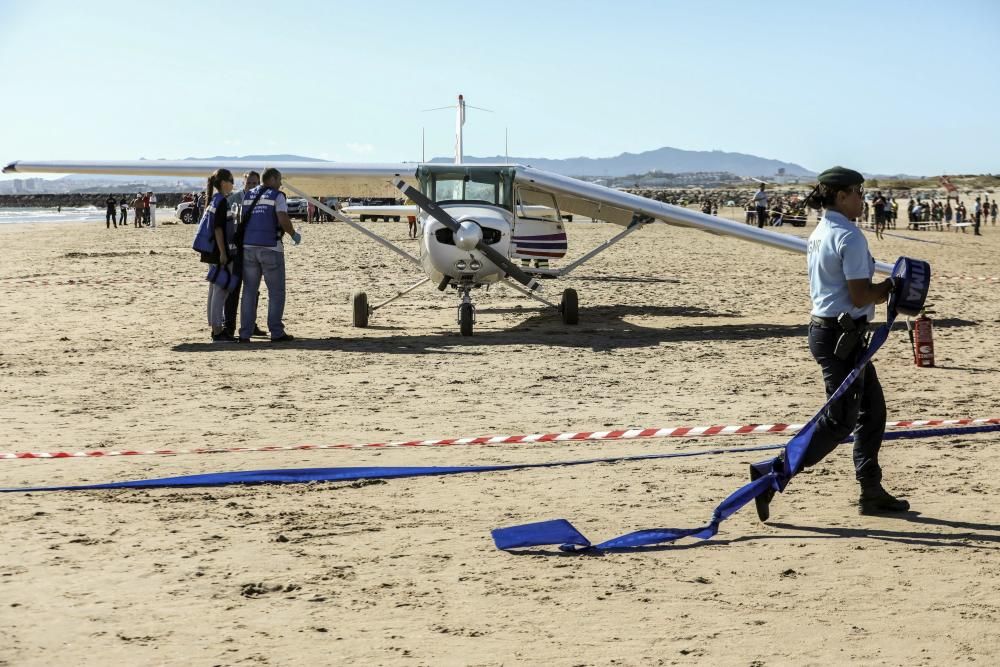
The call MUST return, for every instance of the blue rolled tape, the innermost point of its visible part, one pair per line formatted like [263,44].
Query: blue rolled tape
[913,281]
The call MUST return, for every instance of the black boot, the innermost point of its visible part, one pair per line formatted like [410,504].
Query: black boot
[876,500]
[763,501]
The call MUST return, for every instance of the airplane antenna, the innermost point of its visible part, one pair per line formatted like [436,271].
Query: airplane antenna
[459,122]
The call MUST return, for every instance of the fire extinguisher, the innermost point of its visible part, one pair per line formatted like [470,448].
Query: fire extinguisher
[923,341]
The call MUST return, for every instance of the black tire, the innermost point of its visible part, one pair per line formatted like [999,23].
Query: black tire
[187,216]
[465,317]
[395,218]
[364,218]
[569,307]
[359,303]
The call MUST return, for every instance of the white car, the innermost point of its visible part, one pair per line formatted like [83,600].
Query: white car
[185,212]
[297,207]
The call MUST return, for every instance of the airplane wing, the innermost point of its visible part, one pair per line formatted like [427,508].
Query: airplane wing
[603,203]
[376,180]
[315,178]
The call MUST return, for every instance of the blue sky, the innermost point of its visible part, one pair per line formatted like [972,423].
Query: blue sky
[886,87]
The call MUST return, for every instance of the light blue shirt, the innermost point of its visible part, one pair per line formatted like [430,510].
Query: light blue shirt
[838,252]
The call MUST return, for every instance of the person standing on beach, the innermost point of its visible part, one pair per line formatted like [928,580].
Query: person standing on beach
[264,256]
[977,211]
[219,225]
[760,205]
[840,272]
[124,208]
[880,206]
[111,212]
[152,208]
[251,180]
[136,210]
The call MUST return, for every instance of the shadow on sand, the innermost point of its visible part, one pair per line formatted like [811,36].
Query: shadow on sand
[601,328]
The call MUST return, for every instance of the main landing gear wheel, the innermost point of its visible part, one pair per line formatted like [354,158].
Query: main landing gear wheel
[569,307]
[466,318]
[359,302]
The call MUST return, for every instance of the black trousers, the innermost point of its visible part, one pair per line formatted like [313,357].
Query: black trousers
[860,410]
[229,311]
[761,216]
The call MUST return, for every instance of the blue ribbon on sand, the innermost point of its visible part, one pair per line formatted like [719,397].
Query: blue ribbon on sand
[915,279]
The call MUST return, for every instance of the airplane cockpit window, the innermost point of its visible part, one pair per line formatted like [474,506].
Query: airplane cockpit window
[447,189]
[484,187]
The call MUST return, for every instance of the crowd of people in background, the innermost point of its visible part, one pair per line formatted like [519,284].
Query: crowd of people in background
[880,212]
[924,213]
[143,208]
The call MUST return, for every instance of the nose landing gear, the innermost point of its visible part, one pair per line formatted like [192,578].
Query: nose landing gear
[466,311]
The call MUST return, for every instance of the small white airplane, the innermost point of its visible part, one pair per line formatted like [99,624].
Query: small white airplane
[476,220]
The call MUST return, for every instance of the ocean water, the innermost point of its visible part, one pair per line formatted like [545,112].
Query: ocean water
[68,214]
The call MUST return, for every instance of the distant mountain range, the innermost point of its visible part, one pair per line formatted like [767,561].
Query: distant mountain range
[668,160]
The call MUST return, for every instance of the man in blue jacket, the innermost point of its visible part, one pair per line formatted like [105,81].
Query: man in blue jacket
[264,256]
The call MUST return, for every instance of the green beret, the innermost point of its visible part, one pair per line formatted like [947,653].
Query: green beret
[840,177]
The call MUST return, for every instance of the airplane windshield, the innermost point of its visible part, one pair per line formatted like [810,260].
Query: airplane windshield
[479,186]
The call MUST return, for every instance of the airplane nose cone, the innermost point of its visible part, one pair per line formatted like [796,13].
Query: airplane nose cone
[468,236]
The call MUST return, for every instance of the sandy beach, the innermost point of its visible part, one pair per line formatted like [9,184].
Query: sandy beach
[105,346]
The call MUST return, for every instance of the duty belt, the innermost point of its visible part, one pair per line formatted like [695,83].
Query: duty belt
[831,322]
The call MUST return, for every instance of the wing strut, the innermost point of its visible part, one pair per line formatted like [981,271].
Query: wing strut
[638,223]
[347,221]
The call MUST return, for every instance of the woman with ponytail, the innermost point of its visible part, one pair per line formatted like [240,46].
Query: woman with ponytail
[843,305]
[215,241]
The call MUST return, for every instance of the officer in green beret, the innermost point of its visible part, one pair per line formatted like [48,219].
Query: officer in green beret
[844,297]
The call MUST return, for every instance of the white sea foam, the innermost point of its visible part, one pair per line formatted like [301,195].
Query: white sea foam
[67,214]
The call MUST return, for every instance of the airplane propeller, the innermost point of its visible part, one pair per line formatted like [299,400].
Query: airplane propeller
[463,232]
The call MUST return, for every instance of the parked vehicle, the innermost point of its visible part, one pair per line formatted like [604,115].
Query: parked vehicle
[185,212]
[297,207]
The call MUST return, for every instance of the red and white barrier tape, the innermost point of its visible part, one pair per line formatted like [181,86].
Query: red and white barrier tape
[976,278]
[630,434]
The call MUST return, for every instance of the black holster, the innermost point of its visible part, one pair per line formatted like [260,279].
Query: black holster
[850,337]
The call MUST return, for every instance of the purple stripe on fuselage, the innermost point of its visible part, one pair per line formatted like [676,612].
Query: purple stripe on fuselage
[542,237]
[546,245]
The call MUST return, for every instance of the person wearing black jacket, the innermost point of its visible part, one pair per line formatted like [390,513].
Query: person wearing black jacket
[223,235]
[111,215]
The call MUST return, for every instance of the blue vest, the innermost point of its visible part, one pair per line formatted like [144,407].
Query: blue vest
[262,227]
[204,237]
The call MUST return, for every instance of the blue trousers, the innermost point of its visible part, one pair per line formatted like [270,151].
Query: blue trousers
[268,264]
